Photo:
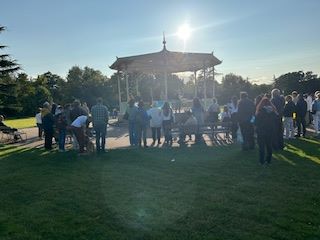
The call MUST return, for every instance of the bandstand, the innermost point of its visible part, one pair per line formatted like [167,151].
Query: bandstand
[165,62]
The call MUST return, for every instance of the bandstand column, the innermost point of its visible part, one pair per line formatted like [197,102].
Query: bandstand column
[205,87]
[213,84]
[195,84]
[137,86]
[119,90]
[166,85]
[127,85]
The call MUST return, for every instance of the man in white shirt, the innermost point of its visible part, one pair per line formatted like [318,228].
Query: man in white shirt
[78,126]
[39,124]
[309,101]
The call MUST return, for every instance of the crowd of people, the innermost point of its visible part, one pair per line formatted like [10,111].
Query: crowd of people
[268,120]
[56,122]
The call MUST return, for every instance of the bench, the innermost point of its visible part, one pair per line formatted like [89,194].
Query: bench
[10,135]
[209,128]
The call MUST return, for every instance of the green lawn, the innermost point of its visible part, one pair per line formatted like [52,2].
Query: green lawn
[180,193]
[21,123]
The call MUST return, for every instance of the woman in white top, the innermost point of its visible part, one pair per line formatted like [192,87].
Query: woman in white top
[233,110]
[155,123]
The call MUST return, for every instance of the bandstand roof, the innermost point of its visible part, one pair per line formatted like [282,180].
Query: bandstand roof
[165,61]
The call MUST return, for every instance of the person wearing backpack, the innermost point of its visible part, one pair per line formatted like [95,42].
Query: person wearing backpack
[141,123]
[316,113]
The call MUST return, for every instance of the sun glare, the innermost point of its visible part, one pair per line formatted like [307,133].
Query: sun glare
[184,32]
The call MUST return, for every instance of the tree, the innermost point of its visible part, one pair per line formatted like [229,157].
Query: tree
[188,88]
[232,85]
[54,83]
[9,96]
[289,82]
[86,85]
[298,81]
[7,85]
[7,65]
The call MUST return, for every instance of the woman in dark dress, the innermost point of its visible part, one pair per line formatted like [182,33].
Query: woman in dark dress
[47,124]
[266,116]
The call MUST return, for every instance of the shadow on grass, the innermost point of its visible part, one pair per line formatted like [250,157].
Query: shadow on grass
[176,193]
[305,149]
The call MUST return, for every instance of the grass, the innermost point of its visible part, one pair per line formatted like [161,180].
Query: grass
[21,123]
[189,193]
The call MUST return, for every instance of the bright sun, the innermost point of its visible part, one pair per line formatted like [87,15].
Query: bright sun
[184,32]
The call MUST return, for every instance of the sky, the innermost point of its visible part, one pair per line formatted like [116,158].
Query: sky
[254,39]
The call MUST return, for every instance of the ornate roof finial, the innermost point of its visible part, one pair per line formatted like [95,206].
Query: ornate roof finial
[164,41]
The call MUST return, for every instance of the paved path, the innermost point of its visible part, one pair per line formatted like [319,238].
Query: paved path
[117,137]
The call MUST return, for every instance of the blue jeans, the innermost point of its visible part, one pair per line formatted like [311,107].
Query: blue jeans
[141,132]
[101,132]
[132,133]
[62,138]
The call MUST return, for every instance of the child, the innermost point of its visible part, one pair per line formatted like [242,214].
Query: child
[213,112]
[188,127]
[225,115]
[289,110]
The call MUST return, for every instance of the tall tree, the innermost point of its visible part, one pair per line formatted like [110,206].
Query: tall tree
[54,83]
[7,85]
[7,65]
[231,85]
[86,85]
[298,81]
